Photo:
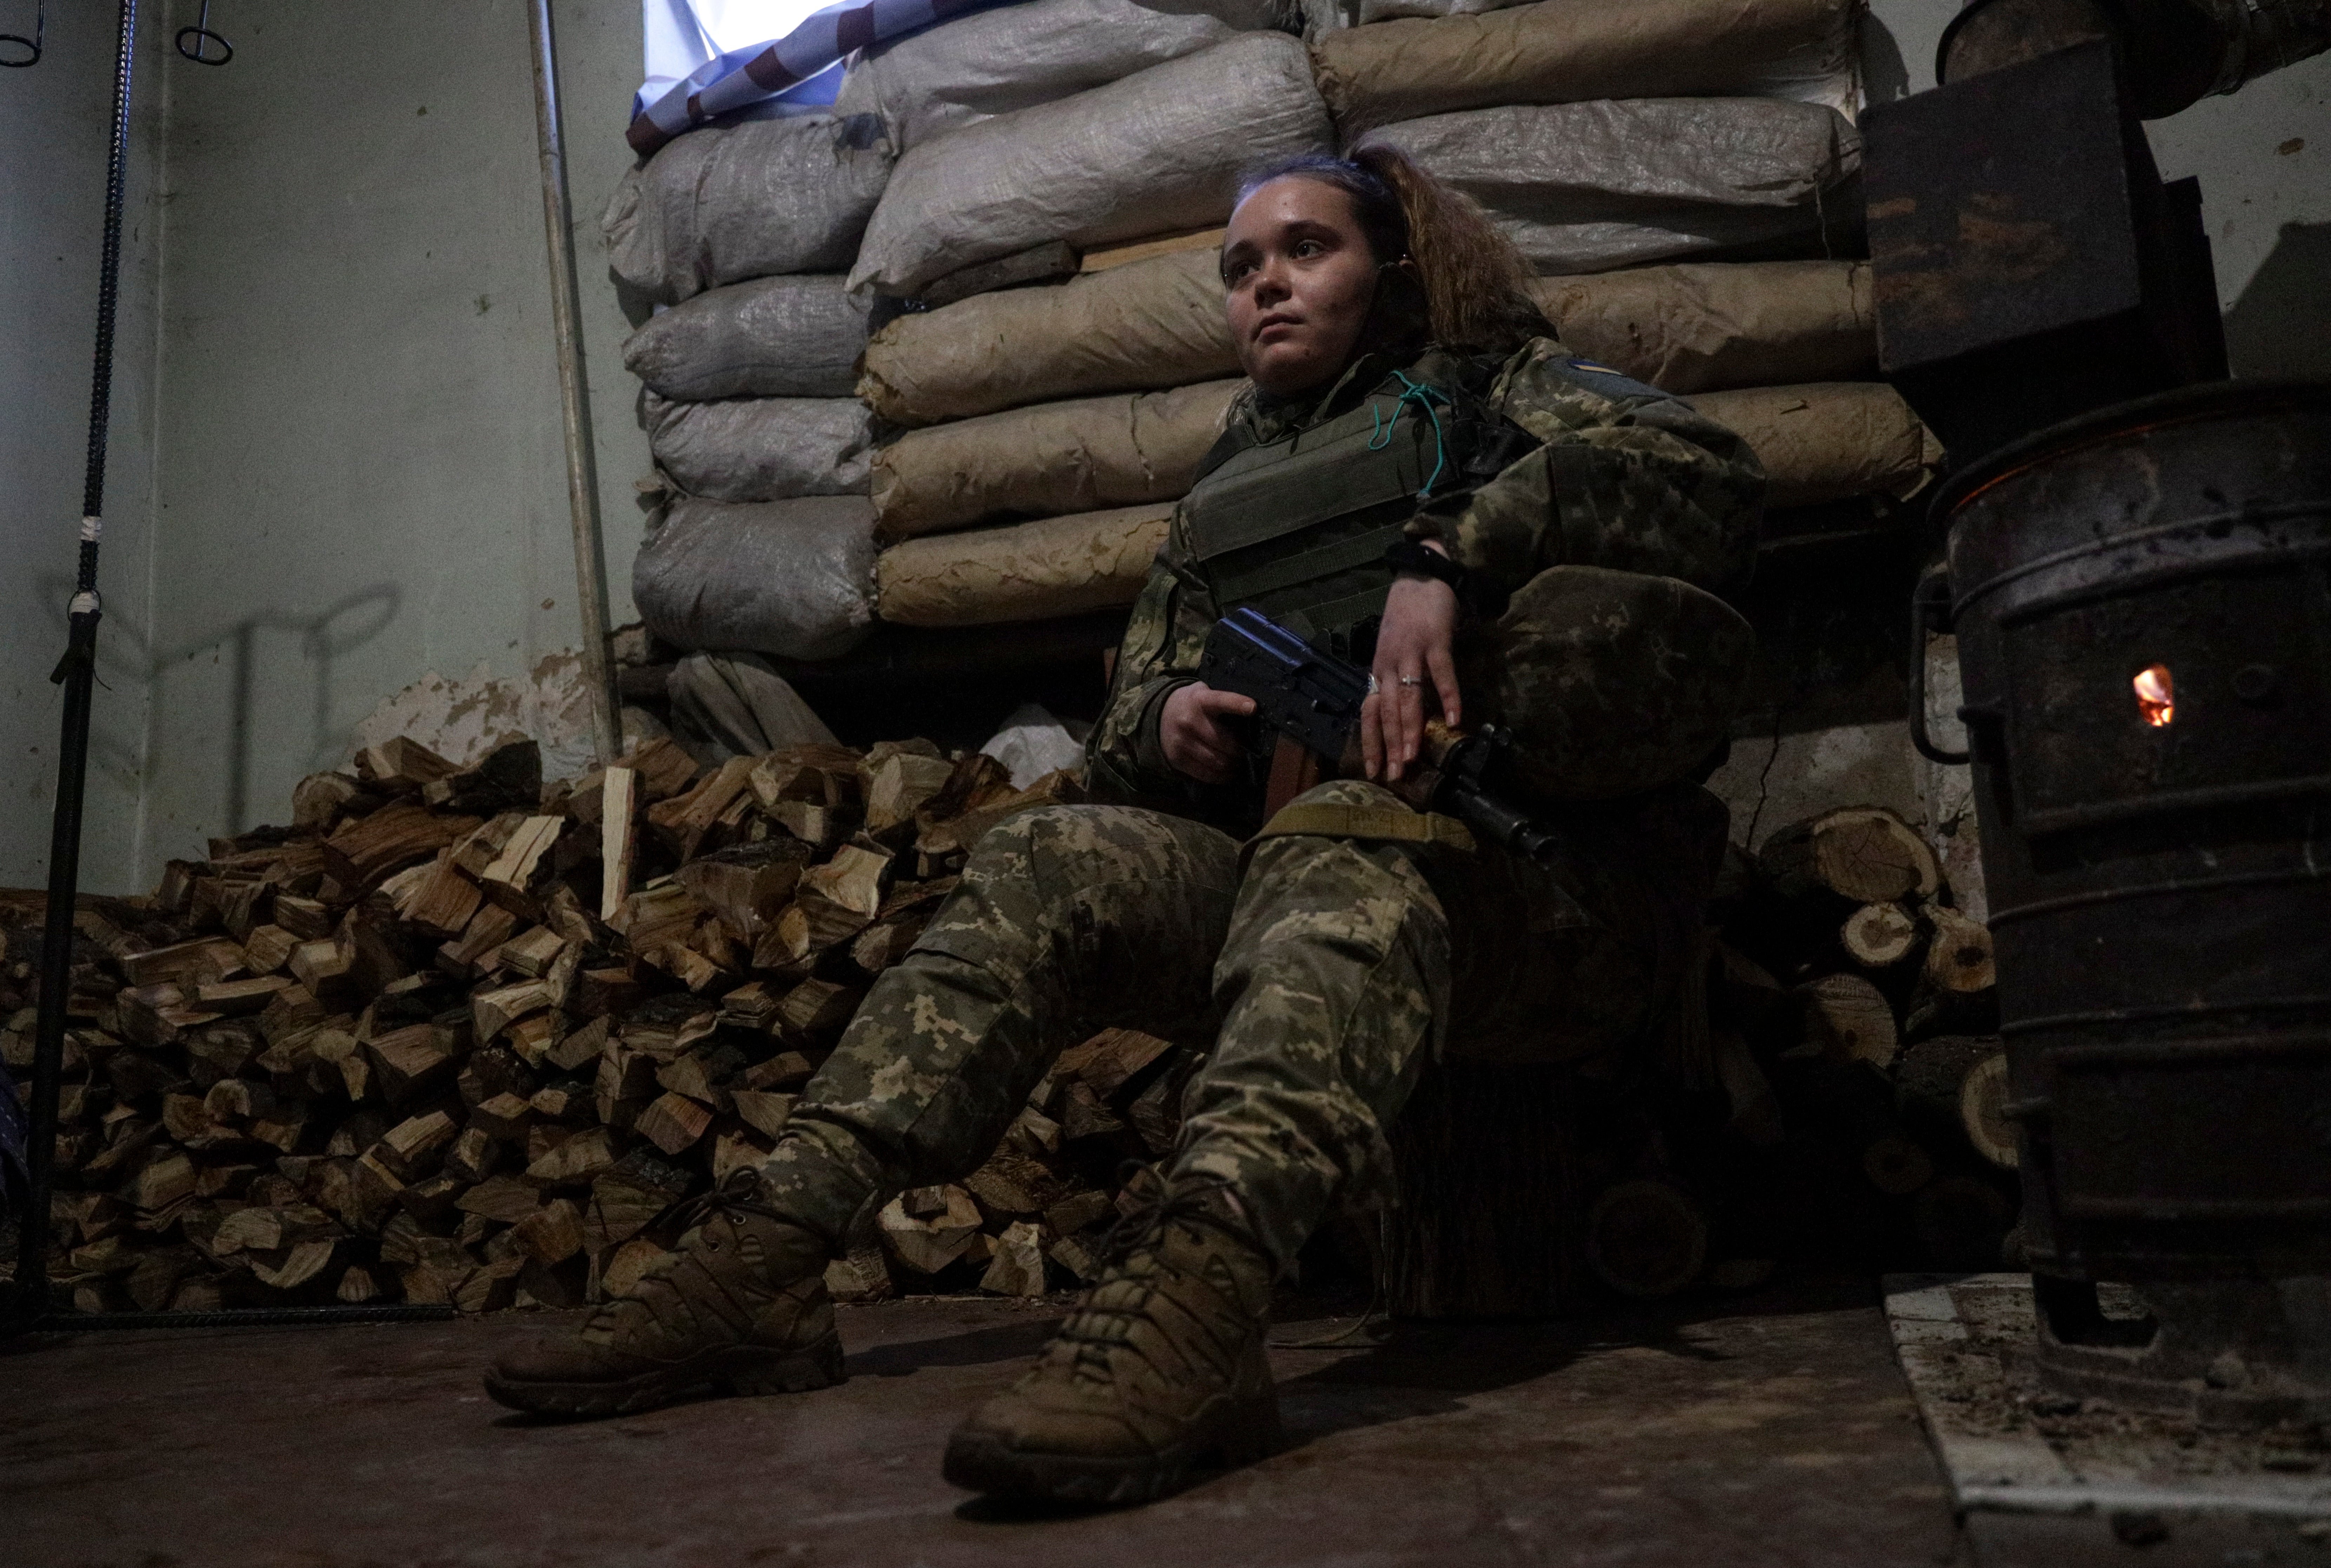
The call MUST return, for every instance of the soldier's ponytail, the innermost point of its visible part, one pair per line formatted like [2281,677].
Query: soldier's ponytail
[1469,282]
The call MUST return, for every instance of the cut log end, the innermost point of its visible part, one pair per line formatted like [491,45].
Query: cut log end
[1646,1238]
[1877,935]
[1982,1105]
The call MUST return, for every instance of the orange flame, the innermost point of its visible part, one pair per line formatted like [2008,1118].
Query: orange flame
[2156,698]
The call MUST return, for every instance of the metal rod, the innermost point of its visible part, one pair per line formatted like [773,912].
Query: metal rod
[581,470]
[77,672]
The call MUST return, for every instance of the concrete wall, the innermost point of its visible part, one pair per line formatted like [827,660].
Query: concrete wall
[55,117]
[362,478]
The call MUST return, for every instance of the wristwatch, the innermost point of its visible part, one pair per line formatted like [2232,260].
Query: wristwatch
[1473,595]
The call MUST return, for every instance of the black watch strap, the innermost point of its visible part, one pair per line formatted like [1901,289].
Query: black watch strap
[1410,556]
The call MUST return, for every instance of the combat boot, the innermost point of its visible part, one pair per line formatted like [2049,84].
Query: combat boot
[1158,1372]
[739,1307]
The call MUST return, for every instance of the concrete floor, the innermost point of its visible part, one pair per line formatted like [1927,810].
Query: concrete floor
[1769,1430]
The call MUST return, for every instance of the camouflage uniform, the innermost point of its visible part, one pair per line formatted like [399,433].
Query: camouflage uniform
[1318,966]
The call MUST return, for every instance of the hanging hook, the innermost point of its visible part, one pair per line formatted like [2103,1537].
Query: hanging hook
[31,45]
[203,38]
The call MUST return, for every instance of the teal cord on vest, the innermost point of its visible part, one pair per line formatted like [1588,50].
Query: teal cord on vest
[1422,395]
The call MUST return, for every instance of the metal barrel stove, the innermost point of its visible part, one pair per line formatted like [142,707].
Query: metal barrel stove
[2143,603]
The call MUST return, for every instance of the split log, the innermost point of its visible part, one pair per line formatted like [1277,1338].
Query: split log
[367,850]
[618,805]
[929,1241]
[1017,1267]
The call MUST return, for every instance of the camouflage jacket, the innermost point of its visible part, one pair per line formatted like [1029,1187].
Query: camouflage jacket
[1625,477]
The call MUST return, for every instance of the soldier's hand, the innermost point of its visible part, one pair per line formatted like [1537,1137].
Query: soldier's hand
[1415,650]
[1192,733]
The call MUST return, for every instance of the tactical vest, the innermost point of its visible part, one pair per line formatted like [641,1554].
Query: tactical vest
[1298,527]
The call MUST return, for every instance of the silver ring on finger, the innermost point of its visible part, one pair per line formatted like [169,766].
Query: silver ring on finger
[1411,680]
[1373,686]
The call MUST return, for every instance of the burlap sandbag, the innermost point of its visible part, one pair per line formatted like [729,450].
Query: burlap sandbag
[1079,456]
[1705,325]
[1572,51]
[1158,151]
[1146,324]
[792,578]
[960,72]
[1584,188]
[724,203]
[1611,681]
[761,449]
[1022,572]
[796,337]
[1830,441]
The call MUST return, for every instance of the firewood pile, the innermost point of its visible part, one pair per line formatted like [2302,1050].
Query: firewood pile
[455,1036]
[1855,1034]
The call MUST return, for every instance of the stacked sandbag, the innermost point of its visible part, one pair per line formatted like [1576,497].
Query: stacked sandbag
[1829,440]
[724,203]
[1154,152]
[1417,57]
[792,577]
[1154,323]
[740,234]
[760,449]
[974,68]
[1698,327]
[1031,571]
[1583,187]
[781,336]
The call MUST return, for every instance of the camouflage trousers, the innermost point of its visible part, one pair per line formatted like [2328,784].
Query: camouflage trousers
[1318,970]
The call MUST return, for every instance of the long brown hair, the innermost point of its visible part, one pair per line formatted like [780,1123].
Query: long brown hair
[1465,285]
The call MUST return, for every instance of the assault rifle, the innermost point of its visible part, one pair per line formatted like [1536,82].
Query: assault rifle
[1312,700]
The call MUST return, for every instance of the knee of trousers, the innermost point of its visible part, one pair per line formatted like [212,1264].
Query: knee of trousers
[1039,873]
[1322,916]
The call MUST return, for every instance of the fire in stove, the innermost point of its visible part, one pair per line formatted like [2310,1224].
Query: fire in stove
[2156,697]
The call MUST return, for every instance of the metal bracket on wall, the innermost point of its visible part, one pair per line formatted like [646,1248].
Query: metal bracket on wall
[203,39]
[10,43]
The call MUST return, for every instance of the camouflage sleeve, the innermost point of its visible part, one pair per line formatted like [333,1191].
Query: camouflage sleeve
[1627,478]
[1164,643]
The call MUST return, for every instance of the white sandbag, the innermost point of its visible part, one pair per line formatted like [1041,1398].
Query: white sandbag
[1079,456]
[1147,324]
[792,578]
[761,449]
[1158,151]
[1022,572]
[1829,441]
[796,337]
[960,72]
[1032,742]
[1583,187]
[1576,51]
[1704,325]
[726,202]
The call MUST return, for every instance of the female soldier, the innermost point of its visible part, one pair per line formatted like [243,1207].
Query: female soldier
[1411,460]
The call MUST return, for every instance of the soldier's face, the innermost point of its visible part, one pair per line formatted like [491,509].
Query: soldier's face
[1300,278]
